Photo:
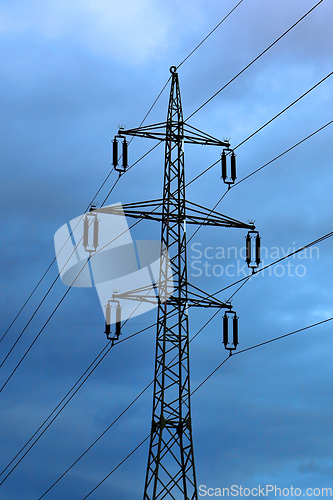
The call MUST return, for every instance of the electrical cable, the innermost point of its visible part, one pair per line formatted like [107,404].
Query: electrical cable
[284,152]
[261,344]
[60,302]
[129,168]
[39,333]
[242,284]
[117,467]
[254,60]
[202,41]
[107,177]
[99,358]
[263,126]
[257,271]
[285,109]
[149,434]
[95,360]
[52,262]
[247,278]
[191,115]
[243,281]
[254,172]
[43,299]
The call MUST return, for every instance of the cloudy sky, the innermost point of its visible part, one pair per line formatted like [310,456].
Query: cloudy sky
[73,72]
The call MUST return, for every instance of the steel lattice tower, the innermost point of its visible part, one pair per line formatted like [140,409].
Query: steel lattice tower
[171,472]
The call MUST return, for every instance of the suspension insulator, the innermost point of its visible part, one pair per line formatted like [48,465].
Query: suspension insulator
[235,330]
[248,249]
[115,152]
[95,238]
[233,167]
[125,154]
[230,344]
[225,330]
[85,232]
[258,249]
[227,152]
[224,166]
[252,261]
[90,225]
[108,319]
[118,321]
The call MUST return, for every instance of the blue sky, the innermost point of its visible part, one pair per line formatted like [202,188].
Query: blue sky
[71,74]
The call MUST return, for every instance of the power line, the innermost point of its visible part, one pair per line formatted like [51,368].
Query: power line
[123,412]
[100,354]
[48,291]
[254,172]
[50,265]
[60,302]
[96,440]
[265,125]
[261,344]
[285,109]
[129,168]
[37,336]
[117,467]
[68,290]
[150,109]
[48,320]
[41,302]
[284,152]
[202,41]
[99,358]
[315,242]
[253,61]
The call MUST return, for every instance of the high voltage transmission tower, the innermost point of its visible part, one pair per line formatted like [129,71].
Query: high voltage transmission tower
[170,470]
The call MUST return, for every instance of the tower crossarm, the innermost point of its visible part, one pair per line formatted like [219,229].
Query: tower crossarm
[201,302]
[190,135]
[195,214]
[193,299]
[200,298]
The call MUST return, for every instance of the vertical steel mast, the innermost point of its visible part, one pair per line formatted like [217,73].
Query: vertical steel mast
[170,471]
